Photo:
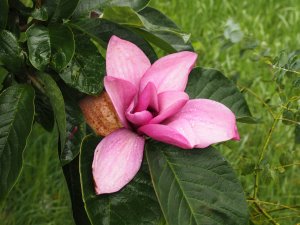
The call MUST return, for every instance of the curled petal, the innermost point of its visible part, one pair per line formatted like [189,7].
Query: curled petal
[121,93]
[170,73]
[124,60]
[117,159]
[170,103]
[139,118]
[201,122]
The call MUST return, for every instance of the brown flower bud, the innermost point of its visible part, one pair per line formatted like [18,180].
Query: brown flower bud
[100,114]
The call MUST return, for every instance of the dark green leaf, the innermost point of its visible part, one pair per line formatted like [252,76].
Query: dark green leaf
[71,173]
[85,7]
[212,84]
[3,74]
[134,204]
[75,129]
[43,111]
[289,117]
[40,14]
[195,186]
[11,55]
[163,32]
[16,118]
[123,15]
[62,45]
[153,25]
[38,42]
[86,70]
[60,9]
[101,31]
[57,101]
[4,8]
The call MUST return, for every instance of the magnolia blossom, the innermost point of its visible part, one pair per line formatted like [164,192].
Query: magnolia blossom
[150,101]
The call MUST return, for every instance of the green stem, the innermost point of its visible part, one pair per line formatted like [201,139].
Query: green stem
[267,215]
[261,156]
[259,99]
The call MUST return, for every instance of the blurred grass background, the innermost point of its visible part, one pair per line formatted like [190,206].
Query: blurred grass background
[263,29]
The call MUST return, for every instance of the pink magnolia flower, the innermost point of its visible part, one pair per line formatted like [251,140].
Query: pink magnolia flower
[150,101]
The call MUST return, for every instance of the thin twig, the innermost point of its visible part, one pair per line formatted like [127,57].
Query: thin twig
[36,83]
[261,156]
[287,165]
[267,215]
[260,99]
[284,69]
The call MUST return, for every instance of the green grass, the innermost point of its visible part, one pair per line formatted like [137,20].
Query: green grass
[40,197]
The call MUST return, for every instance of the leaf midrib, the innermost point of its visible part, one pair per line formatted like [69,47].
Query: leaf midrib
[14,117]
[178,182]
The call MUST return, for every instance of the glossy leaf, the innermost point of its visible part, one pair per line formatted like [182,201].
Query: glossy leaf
[123,15]
[57,102]
[75,128]
[134,204]
[195,186]
[85,7]
[16,118]
[38,42]
[71,173]
[101,30]
[86,70]
[60,9]
[212,84]
[62,45]
[37,13]
[40,14]
[4,8]
[11,54]
[43,110]
[153,25]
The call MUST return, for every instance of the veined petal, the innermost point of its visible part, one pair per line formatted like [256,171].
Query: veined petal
[170,102]
[200,123]
[147,98]
[117,159]
[121,93]
[170,73]
[124,60]
[165,134]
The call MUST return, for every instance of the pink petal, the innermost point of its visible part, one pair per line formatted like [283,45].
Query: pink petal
[201,122]
[170,73]
[121,93]
[139,118]
[124,60]
[165,134]
[147,98]
[117,159]
[170,102]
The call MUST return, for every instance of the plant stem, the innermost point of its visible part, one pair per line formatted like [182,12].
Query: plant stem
[261,156]
[36,83]
[287,165]
[267,215]
[259,99]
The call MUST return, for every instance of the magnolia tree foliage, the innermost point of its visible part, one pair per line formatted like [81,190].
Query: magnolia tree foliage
[53,55]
